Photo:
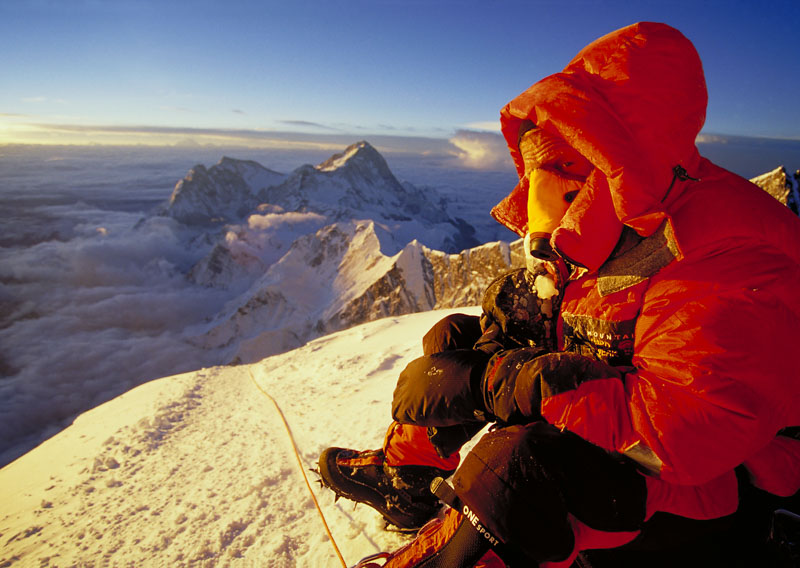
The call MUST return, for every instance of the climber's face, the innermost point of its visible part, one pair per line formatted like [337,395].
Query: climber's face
[555,173]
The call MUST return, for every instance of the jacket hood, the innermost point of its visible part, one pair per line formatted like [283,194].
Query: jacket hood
[632,102]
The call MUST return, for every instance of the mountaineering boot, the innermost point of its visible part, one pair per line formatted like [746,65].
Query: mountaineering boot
[400,493]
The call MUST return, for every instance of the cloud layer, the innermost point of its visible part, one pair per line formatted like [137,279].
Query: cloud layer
[481,150]
[87,318]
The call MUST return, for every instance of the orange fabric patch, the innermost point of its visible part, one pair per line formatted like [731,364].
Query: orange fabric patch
[407,444]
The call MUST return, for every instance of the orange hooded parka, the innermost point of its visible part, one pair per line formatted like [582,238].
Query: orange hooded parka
[690,280]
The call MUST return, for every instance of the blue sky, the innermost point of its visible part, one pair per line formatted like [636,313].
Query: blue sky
[117,71]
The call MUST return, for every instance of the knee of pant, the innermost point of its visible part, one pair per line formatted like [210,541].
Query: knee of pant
[456,331]
[603,490]
[529,477]
[502,484]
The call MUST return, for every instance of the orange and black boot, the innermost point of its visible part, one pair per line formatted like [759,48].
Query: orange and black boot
[400,493]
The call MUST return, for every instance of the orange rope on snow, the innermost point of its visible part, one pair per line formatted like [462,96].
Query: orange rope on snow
[302,467]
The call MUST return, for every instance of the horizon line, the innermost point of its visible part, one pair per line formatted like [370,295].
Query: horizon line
[37,134]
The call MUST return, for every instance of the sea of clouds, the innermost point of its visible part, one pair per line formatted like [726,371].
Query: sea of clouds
[94,297]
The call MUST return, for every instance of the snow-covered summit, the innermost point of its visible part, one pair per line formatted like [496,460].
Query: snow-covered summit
[224,192]
[361,155]
[355,184]
[779,186]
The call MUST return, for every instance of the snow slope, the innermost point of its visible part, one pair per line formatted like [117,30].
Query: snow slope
[198,470]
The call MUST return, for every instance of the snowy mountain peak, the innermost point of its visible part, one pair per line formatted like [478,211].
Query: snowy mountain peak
[358,184]
[354,184]
[778,186]
[359,163]
[222,193]
[361,155]
[248,169]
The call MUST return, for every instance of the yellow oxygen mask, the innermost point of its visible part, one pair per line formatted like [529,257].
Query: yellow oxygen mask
[555,173]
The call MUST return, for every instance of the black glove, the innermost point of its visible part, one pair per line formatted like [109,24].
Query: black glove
[514,315]
[509,387]
[517,381]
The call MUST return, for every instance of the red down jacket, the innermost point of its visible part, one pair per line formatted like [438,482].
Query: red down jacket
[705,307]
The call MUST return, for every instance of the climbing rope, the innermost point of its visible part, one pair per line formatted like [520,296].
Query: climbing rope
[301,466]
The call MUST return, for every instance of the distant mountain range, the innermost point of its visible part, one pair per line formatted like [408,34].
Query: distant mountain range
[356,184]
[330,246]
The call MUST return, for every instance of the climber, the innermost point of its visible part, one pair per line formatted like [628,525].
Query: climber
[665,419]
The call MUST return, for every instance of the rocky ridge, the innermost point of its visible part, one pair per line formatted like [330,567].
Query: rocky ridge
[339,277]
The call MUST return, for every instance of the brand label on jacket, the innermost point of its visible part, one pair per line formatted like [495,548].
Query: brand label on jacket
[608,341]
